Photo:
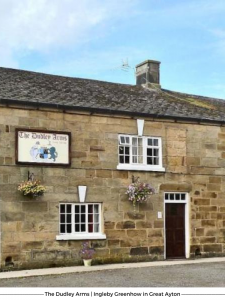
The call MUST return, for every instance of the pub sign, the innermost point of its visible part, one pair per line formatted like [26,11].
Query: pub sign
[42,147]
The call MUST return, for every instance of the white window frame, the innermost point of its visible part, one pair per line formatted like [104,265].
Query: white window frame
[141,166]
[82,235]
[187,224]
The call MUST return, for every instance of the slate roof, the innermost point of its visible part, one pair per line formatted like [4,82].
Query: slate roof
[30,88]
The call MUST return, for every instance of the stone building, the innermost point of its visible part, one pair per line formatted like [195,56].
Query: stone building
[116,132]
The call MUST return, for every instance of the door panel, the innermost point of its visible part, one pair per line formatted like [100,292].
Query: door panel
[175,230]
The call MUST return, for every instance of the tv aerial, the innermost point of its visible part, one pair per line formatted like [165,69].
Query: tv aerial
[124,66]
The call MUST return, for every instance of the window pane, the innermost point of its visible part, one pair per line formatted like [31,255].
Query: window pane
[177,196]
[83,218]
[82,208]
[68,208]
[134,150]
[156,142]
[121,150]
[150,142]
[156,152]
[62,228]
[69,228]
[83,228]
[90,208]
[166,196]
[140,159]
[77,218]
[183,197]
[140,151]
[134,159]
[62,208]
[96,227]
[69,218]
[127,159]
[127,140]
[149,161]
[96,208]
[77,208]
[62,219]
[90,218]
[122,139]
[127,150]
[90,227]
[134,141]
[156,161]
[77,228]
[140,142]
[149,152]
[96,218]
[121,159]
[171,196]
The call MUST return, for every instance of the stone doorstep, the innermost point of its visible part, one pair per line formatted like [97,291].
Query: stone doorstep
[82,269]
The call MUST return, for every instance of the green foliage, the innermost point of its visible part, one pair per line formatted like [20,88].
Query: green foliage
[31,188]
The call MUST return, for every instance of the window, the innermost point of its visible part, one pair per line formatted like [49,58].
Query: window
[140,153]
[175,197]
[80,221]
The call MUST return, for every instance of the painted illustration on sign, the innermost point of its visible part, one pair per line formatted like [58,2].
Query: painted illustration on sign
[43,147]
[43,153]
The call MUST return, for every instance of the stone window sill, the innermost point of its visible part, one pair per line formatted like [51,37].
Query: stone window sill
[140,168]
[70,237]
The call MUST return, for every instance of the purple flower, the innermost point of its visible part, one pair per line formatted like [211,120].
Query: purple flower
[86,252]
[139,192]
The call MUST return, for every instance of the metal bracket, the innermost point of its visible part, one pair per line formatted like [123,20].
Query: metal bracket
[134,179]
[30,176]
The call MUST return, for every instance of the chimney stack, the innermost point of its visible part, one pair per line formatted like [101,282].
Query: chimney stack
[148,73]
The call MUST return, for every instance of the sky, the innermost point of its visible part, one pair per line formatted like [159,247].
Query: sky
[93,38]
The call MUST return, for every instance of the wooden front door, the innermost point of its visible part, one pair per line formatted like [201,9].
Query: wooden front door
[175,230]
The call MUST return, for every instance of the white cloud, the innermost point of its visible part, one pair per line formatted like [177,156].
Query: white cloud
[6,57]
[41,25]
[184,11]
[220,33]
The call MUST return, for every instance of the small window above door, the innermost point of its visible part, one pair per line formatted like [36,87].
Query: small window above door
[175,197]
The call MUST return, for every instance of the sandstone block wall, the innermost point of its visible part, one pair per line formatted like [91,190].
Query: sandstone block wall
[194,158]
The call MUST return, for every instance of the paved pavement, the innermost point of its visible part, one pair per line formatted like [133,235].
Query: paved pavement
[209,272]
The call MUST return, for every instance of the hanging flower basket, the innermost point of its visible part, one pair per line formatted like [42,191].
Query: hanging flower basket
[32,188]
[138,192]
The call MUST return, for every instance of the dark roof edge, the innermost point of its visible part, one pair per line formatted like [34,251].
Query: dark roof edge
[93,110]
